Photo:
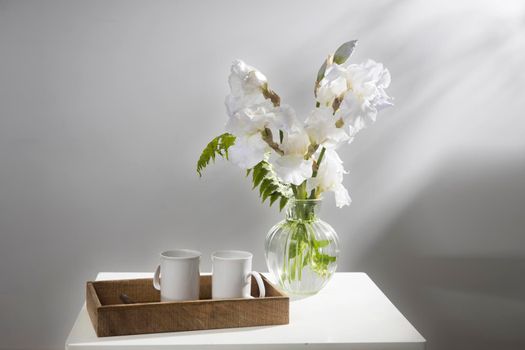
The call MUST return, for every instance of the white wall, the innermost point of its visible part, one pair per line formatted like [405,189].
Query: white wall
[105,106]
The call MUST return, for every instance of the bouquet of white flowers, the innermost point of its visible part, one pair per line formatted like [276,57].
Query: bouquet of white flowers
[291,159]
[286,156]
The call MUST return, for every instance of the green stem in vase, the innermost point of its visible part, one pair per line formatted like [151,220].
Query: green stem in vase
[304,249]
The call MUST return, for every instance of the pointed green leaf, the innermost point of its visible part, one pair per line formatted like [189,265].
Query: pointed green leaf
[274,196]
[255,171]
[258,176]
[282,203]
[268,191]
[264,185]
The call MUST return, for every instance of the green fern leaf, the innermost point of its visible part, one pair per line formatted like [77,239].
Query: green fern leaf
[258,174]
[217,146]
[282,202]
[269,185]
[264,185]
[268,191]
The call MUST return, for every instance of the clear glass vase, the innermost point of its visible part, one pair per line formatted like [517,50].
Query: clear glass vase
[302,250]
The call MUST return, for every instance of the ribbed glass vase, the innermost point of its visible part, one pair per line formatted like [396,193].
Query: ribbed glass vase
[302,250]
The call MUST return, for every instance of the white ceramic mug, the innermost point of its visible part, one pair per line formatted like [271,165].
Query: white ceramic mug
[180,278]
[231,275]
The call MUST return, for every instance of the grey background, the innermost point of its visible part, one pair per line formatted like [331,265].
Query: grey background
[105,106]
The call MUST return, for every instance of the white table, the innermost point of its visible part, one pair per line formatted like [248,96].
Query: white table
[349,313]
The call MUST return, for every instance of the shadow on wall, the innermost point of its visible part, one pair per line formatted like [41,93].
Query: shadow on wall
[449,261]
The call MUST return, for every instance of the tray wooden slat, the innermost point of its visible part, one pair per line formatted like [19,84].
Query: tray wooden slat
[111,317]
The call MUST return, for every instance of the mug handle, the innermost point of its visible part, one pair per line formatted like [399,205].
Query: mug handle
[260,283]
[156,278]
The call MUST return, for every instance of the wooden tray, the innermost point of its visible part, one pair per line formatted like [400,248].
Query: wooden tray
[148,315]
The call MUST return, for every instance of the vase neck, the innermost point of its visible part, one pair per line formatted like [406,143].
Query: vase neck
[303,209]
